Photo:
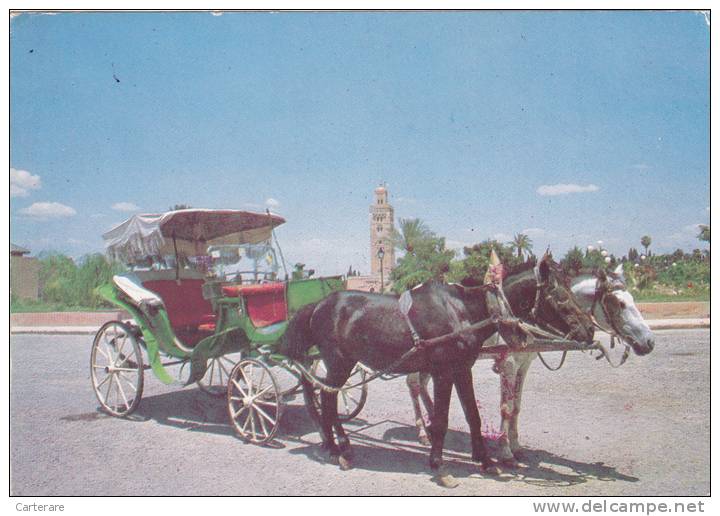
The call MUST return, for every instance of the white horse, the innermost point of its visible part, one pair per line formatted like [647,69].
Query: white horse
[602,294]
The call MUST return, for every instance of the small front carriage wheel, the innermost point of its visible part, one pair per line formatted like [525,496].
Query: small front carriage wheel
[116,368]
[254,401]
[217,374]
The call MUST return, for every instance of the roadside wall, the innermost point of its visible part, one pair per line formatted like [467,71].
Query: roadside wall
[24,277]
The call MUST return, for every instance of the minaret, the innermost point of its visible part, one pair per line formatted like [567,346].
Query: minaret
[382,217]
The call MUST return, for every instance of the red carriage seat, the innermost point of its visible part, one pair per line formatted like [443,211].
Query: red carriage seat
[265,302]
[191,315]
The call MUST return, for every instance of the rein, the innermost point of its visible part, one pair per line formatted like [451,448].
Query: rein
[419,344]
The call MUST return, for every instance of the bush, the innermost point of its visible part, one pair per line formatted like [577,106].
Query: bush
[64,284]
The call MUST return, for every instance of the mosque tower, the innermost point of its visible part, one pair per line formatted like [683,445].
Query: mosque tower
[382,217]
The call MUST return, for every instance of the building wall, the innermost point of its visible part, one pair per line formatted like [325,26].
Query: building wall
[382,217]
[24,277]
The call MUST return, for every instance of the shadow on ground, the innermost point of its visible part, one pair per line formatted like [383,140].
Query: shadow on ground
[396,450]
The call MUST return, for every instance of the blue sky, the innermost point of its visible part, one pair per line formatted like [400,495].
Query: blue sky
[472,118]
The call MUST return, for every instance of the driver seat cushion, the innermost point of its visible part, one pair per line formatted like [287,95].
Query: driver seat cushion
[266,304]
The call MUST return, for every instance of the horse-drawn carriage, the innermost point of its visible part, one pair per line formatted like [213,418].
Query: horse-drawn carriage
[204,293]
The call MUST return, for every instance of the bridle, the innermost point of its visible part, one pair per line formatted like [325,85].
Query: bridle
[602,289]
[539,288]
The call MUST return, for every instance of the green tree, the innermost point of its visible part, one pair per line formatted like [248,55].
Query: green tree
[425,258]
[413,232]
[476,259]
[704,234]
[573,260]
[521,244]
[645,241]
[93,270]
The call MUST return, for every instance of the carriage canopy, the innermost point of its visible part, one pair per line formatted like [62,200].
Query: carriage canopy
[189,232]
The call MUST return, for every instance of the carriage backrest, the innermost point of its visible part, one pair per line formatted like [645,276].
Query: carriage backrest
[183,299]
[265,302]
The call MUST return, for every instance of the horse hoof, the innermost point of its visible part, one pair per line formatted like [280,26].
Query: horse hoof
[424,440]
[490,469]
[344,463]
[334,460]
[445,479]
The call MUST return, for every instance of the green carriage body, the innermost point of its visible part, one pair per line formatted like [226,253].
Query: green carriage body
[234,329]
[194,301]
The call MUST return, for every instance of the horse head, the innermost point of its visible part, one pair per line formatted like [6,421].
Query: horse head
[555,305]
[619,312]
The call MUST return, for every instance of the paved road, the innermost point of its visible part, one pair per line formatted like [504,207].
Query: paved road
[643,429]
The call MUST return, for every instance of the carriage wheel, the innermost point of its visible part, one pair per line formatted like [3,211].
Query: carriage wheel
[254,401]
[217,374]
[116,369]
[288,383]
[350,400]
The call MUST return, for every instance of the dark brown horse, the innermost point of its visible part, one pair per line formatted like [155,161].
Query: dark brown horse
[350,327]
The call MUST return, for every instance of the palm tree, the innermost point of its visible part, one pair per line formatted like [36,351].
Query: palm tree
[645,241]
[413,232]
[704,233]
[521,244]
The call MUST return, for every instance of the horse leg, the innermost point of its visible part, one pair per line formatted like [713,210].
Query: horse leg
[425,396]
[519,383]
[309,395]
[442,383]
[336,377]
[506,367]
[466,392]
[413,381]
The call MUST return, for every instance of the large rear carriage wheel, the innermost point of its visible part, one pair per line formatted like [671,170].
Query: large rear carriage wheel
[116,368]
[254,401]
[352,397]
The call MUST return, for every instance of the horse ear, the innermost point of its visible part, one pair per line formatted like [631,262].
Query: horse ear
[544,269]
[619,272]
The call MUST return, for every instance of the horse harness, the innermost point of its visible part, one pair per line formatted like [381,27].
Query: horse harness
[602,289]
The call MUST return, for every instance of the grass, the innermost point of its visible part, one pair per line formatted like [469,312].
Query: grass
[659,297]
[25,306]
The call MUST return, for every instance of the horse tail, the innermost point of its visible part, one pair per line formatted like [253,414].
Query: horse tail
[298,336]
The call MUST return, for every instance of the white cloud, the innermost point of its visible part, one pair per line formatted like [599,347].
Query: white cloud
[21,181]
[533,232]
[272,203]
[502,237]
[48,210]
[217,13]
[564,189]
[125,206]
